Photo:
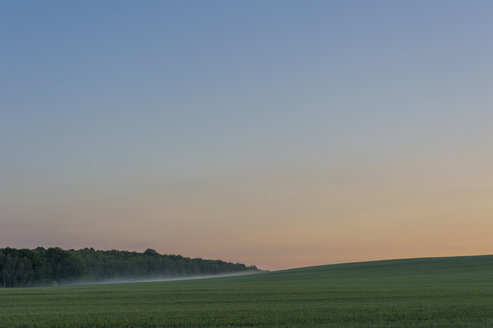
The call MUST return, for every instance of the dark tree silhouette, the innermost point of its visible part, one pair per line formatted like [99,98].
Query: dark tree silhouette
[25,267]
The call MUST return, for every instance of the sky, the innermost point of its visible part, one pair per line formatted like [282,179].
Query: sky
[275,133]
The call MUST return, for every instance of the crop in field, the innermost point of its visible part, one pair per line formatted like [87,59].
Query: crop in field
[433,292]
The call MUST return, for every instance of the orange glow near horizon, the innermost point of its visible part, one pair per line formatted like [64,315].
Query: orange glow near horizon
[286,221]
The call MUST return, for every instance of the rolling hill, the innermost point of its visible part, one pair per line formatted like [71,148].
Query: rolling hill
[426,292]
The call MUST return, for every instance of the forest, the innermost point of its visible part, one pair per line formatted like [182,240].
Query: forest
[53,266]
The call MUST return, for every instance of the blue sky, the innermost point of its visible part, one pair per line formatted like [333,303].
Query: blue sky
[150,106]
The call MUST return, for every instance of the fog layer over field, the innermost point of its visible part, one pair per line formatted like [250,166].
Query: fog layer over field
[156,279]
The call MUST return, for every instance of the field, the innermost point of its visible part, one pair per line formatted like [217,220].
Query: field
[434,292]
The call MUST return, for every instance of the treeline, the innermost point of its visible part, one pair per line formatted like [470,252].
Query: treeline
[40,266]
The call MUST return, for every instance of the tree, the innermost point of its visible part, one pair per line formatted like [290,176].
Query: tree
[150,251]
[24,267]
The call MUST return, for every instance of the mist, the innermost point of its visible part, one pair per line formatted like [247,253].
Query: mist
[153,279]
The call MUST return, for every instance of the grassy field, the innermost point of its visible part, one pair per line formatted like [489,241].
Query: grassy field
[435,292]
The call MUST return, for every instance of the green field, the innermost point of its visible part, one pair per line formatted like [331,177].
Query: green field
[434,292]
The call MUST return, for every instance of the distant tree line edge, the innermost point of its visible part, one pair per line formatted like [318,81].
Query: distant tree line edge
[52,266]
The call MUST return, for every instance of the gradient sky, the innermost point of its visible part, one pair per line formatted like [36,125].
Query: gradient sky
[275,133]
